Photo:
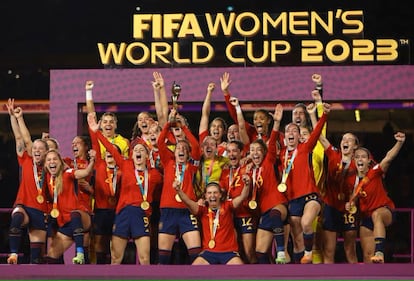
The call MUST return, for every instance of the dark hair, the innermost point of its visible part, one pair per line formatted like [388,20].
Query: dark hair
[238,143]
[262,144]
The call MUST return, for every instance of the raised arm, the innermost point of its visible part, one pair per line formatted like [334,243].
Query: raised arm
[160,98]
[393,152]
[237,201]
[83,173]
[20,147]
[205,111]
[244,136]
[90,106]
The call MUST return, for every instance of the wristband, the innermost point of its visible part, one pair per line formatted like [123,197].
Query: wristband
[89,95]
[238,109]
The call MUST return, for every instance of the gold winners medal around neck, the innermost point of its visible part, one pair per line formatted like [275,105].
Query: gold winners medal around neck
[353,209]
[211,244]
[178,198]
[112,200]
[363,193]
[54,213]
[145,205]
[40,199]
[341,196]
[252,204]
[282,187]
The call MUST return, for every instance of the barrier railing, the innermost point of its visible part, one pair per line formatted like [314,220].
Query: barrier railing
[410,211]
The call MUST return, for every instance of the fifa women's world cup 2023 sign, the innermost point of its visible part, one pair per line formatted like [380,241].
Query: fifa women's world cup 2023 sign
[247,38]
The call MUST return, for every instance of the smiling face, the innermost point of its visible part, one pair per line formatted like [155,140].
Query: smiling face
[209,147]
[139,155]
[304,134]
[79,148]
[217,129]
[362,160]
[348,144]
[108,125]
[261,122]
[39,149]
[182,152]
[299,115]
[53,162]
[233,133]
[154,133]
[213,196]
[257,153]
[234,154]
[144,121]
[292,135]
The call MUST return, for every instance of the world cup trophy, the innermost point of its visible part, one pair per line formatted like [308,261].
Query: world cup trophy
[175,90]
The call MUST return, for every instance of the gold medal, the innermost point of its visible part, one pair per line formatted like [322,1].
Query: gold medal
[353,209]
[363,193]
[54,213]
[341,196]
[252,204]
[40,199]
[282,187]
[178,198]
[211,244]
[145,205]
[112,200]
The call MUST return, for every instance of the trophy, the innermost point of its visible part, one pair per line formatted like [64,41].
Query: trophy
[175,90]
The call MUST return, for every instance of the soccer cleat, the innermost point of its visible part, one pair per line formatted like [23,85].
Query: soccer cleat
[12,259]
[79,259]
[307,258]
[378,257]
[281,258]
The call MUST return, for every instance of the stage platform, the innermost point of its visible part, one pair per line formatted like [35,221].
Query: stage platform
[209,272]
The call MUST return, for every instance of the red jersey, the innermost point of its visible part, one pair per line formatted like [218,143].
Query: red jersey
[337,192]
[84,196]
[187,171]
[373,194]
[301,178]
[264,179]
[28,188]
[224,235]
[135,185]
[231,181]
[67,201]
[107,181]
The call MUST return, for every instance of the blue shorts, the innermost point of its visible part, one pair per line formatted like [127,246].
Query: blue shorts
[177,221]
[131,222]
[52,226]
[245,225]
[337,221]
[218,257]
[103,221]
[368,223]
[37,218]
[66,229]
[269,223]
[296,206]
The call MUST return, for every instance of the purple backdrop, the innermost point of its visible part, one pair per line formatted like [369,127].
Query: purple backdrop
[341,83]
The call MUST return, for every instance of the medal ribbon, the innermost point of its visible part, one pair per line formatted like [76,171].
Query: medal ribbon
[358,185]
[179,172]
[288,167]
[343,171]
[255,182]
[143,189]
[55,195]
[112,179]
[207,175]
[38,181]
[213,222]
